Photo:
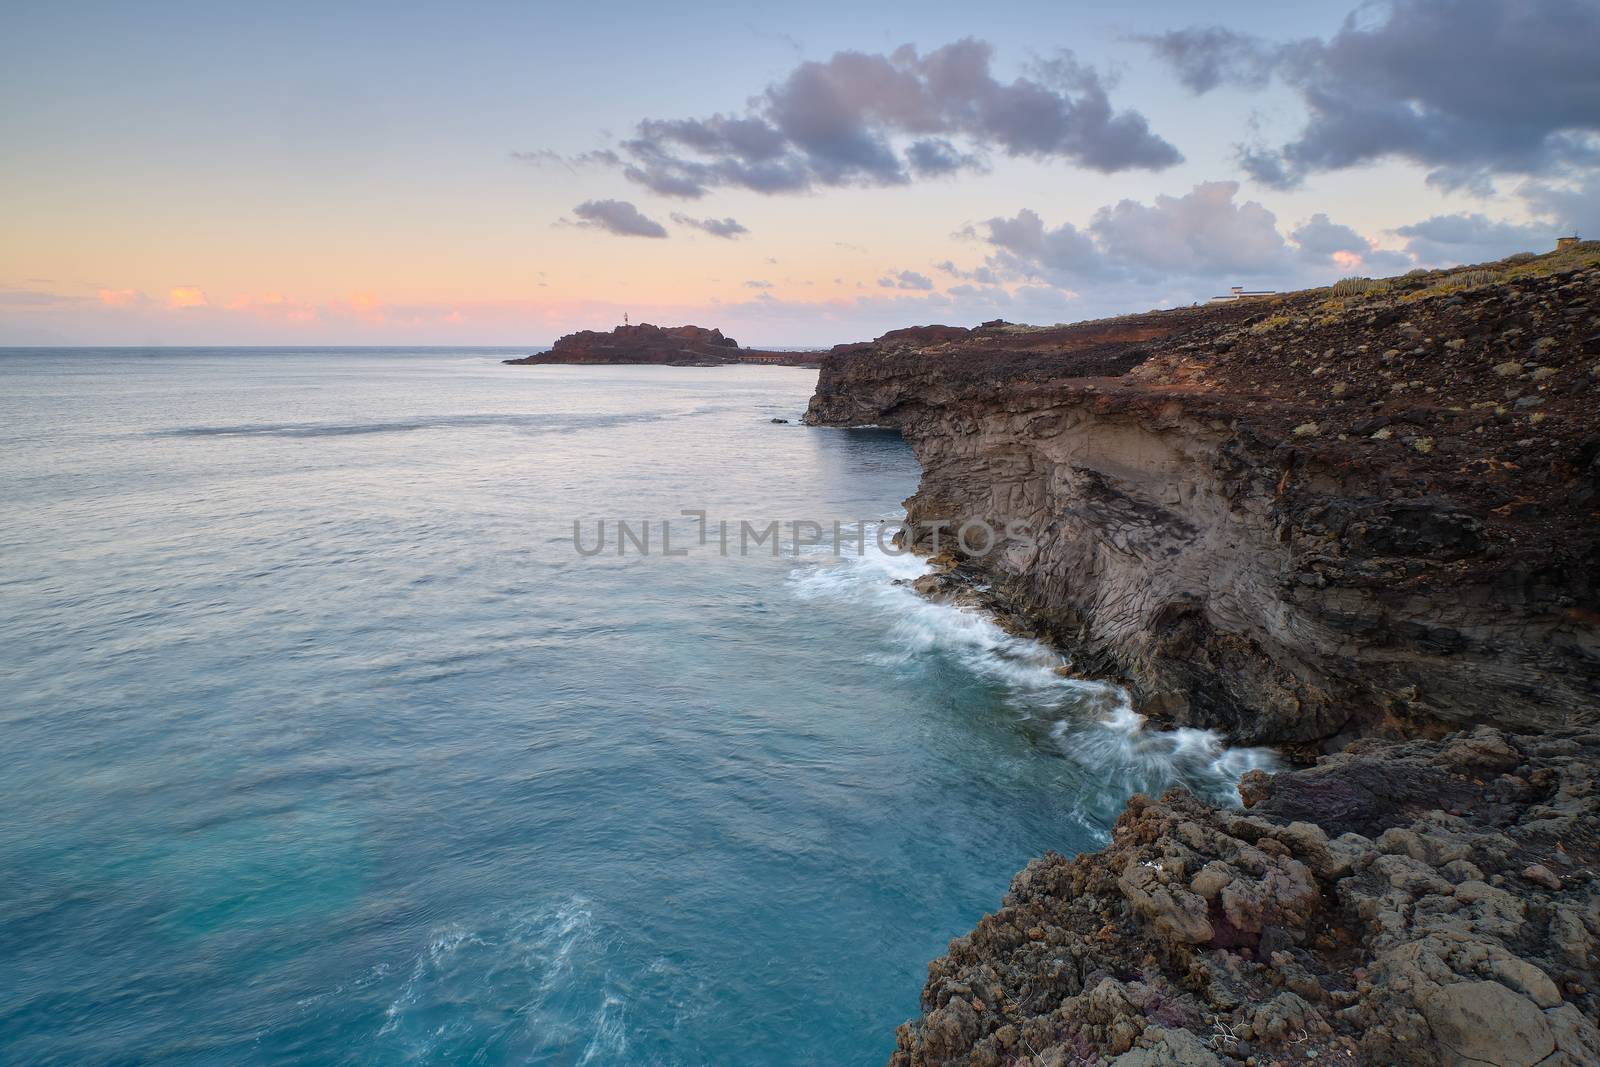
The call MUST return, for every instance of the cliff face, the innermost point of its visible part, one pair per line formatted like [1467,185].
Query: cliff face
[1302,520]
[1296,519]
[662,345]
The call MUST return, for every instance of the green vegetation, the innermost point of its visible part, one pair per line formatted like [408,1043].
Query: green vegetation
[1586,254]
[1268,324]
[1358,286]
[1444,288]
[1471,279]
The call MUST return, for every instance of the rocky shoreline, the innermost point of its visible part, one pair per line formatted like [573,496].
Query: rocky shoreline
[1422,902]
[1362,524]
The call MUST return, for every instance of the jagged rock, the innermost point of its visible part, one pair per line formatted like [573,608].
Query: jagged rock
[1538,872]
[1417,564]
[1174,911]
[1168,1048]
[1408,590]
[1232,927]
[1484,1022]
[1284,1016]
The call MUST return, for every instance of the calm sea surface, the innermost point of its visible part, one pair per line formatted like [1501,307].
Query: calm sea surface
[320,744]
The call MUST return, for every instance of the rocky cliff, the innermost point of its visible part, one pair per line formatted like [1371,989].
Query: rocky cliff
[1297,519]
[662,345]
[1362,522]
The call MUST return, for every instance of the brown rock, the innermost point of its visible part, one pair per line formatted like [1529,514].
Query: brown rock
[1543,875]
[1484,1022]
[1191,535]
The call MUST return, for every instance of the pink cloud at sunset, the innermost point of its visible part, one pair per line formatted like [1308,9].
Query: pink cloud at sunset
[187,296]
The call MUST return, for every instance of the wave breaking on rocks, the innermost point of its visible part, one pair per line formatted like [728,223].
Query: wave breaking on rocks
[1359,524]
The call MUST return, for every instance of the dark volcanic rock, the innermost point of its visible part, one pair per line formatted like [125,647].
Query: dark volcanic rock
[1294,519]
[1305,519]
[1437,933]
[679,346]
[642,343]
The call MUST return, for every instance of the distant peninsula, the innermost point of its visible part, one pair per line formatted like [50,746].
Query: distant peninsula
[669,346]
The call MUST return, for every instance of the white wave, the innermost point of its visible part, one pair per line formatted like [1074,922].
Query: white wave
[548,967]
[609,1042]
[1134,759]
[1094,723]
[920,628]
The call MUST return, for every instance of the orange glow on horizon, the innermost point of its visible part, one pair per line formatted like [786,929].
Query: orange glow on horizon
[187,296]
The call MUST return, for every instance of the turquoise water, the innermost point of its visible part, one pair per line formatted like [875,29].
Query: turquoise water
[319,743]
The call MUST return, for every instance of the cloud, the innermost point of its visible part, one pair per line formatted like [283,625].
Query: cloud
[277,306]
[1322,241]
[258,301]
[873,119]
[1319,236]
[1175,249]
[1133,254]
[728,228]
[1467,88]
[1449,239]
[1203,232]
[981,275]
[1205,57]
[1572,208]
[118,298]
[544,157]
[365,303]
[33,298]
[906,279]
[932,157]
[618,217]
[187,296]
[757,283]
[1028,248]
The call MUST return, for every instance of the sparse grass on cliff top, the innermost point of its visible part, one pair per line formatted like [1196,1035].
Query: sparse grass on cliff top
[1272,322]
[1360,286]
[1586,254]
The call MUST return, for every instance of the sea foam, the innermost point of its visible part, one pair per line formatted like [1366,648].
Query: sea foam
[1090,723]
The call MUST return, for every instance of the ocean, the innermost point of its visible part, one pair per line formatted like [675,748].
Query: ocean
[321,742]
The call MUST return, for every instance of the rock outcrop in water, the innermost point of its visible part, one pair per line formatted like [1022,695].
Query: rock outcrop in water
[678,346]
[1363,522]
[1295,519]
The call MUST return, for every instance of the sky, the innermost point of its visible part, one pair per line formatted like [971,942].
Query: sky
[503,173]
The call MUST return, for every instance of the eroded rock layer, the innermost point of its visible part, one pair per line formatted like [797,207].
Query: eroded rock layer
[1363,522]
[1297,519]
